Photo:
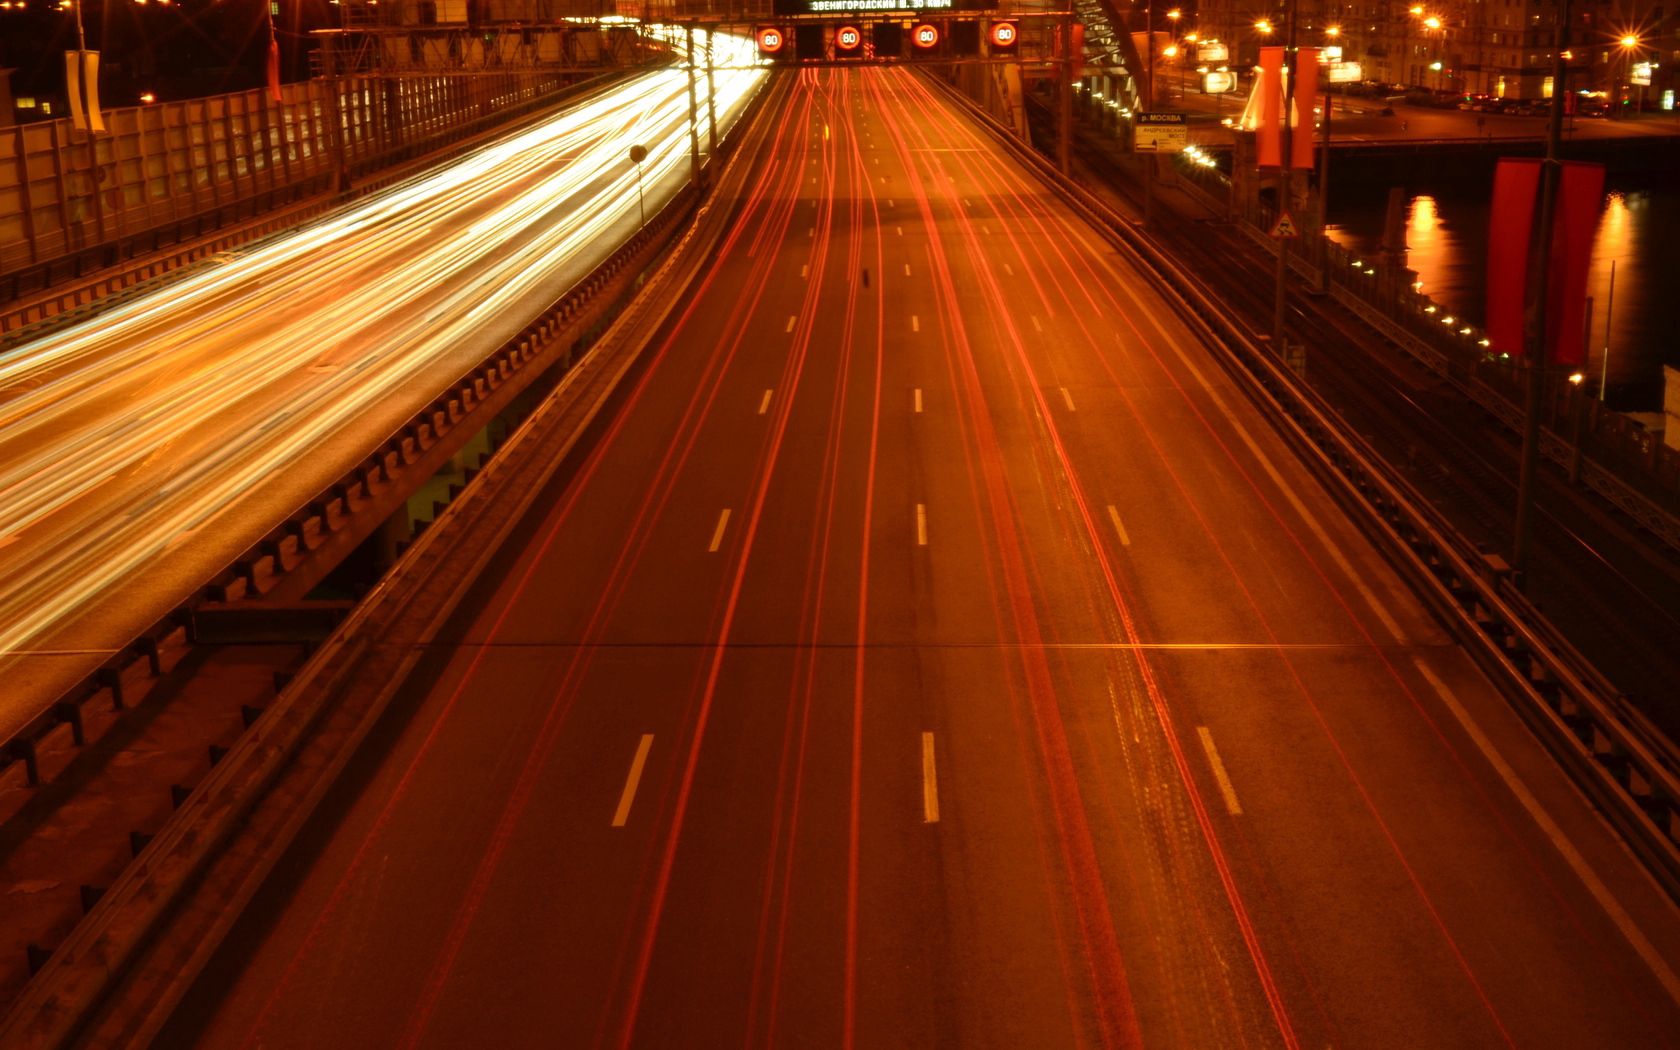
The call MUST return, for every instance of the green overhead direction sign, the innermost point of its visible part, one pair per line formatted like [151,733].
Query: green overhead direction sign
[1162,133]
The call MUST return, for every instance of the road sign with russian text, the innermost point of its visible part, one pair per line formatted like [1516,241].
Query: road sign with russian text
[1162,133]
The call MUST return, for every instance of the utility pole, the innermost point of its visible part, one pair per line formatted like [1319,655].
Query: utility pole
[1286,196]
[1064,106]
[693,112]
[1534,361]
[1324,193]
[1148,107]
[711,92]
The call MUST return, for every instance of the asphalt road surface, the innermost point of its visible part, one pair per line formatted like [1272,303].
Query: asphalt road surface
[144,449]
[937,650]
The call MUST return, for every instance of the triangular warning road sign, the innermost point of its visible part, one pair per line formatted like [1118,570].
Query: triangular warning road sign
[1285,228]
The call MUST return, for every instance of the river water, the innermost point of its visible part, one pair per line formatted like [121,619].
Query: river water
[1638,231]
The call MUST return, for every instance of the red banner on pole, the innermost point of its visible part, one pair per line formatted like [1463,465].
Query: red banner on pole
[274,69]
[1580,197]
[1516,184]
[1269,119]
[1306,91]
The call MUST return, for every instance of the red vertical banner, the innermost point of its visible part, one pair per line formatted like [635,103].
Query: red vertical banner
[1516,184]
[1269,117]
[1078,35]
[1306,91]
[1580,198]
[274,69]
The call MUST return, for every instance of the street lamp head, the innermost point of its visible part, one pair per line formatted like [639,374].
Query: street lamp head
[1418,10]
[1630,41]
[1432,22]
[1264,26]
[1170,51]
[1175,14]
[1333,31]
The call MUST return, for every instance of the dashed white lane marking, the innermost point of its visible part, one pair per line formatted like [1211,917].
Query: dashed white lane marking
[1572,856]
[906,269]
[1219,773]
[1114,516]
[889,203]
[915,323]
[622,813]
[717,533]
[921,524]
[805,271]
[1008,271]
[791,320]
[1067,399]
[1036,326]
[764,403]
[930,782]
[900,230]
[812,232]
[985,231]
[918,399]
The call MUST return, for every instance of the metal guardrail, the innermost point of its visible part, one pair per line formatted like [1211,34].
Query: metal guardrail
[1623,763]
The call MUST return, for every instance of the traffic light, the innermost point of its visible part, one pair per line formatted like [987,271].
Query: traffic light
[1003,37]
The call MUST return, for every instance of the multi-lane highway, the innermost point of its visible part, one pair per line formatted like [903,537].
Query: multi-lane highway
[143,449]
[936,649]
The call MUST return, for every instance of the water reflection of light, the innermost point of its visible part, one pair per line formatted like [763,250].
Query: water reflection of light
[1617,240]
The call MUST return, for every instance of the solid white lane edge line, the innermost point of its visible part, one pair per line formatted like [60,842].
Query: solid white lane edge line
[764,403]
[1114,516]
[1067,399]
[918,399]
[915,323]
[1572,856]
[789,327]
[930,782]
[717,534]
[628,796]
[1219,773]
[921,525]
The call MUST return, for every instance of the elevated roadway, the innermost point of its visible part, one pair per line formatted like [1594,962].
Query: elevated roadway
[936,649]
[144,449]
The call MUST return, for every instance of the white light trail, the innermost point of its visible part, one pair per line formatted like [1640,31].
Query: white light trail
[158,416]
